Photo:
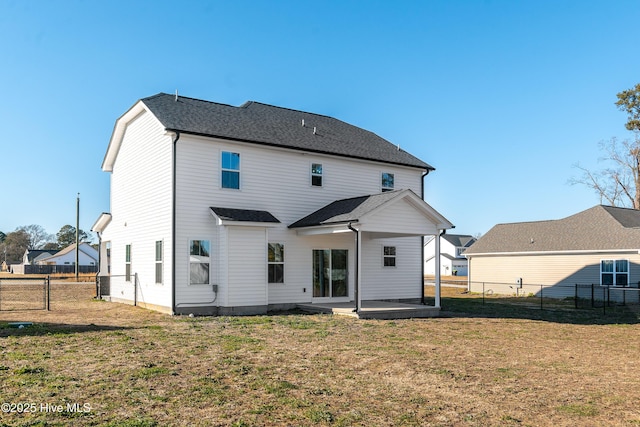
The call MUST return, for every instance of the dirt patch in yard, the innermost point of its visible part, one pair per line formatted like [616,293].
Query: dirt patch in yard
[110,364]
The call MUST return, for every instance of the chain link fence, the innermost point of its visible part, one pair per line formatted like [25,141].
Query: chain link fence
[43,293]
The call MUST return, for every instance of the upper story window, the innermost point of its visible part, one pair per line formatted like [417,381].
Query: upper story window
[230,170]
[459,251]
[387,181]
[316,174]
[614,272]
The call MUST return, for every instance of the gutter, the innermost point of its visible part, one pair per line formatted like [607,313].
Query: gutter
[173,227]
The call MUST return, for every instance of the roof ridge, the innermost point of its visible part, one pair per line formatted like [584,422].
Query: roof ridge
[158,95]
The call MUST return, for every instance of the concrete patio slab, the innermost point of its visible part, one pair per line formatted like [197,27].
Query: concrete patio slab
[374,310]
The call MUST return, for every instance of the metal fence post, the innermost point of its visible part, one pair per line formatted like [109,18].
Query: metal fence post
[482,293]
[135,289]
[48,292]
[541,297]
[592,296]
[575,298]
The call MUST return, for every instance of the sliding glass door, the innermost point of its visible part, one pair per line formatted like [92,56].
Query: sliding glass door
[330,275]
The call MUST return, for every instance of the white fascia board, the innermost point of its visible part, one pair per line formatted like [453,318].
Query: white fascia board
[101,223]
[118,134]
[326,229]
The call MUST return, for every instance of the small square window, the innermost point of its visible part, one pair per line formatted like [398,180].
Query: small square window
[387,181]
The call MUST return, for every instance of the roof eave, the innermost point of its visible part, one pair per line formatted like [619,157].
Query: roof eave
[425,166]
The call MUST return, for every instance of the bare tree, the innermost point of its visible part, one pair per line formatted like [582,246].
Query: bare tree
[38,236]
[619,183]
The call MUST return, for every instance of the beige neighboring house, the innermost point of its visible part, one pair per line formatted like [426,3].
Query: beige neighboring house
[600,246]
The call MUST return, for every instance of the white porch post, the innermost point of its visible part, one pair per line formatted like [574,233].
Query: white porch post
[437,261]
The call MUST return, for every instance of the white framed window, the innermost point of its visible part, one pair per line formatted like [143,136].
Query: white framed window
[387,181]
[388,256]
[614,272]
[316,174]
[230,167]
[199,262]
[127,263]
[159,256]
[275,263]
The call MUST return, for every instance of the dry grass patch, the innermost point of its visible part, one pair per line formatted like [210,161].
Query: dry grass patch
[139,368]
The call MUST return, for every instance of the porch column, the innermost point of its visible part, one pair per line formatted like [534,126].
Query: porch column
[437,262]
[358,259]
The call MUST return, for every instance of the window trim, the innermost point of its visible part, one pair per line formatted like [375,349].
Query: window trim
[209,260]
[223,169]
[382,181]
[275,263]
[316,174]
[386,256]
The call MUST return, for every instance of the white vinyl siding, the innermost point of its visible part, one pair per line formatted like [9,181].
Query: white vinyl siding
[247,276]
[558,273]
[141,188]
[199,187]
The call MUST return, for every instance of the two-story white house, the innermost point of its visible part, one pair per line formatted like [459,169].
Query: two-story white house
[217,209]
[452,260]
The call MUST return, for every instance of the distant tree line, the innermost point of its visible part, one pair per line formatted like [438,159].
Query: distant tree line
[15,243]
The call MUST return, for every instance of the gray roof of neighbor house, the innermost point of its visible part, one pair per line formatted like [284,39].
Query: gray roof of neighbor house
[345,210]
[459,239]
[598,228]
[264,124]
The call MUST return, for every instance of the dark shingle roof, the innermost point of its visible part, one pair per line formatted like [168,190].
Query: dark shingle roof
[597,228]
[345,210]
[459,239]
[269,125]
[244,215]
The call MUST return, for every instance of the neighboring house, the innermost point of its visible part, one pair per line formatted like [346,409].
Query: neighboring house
[87,255]
[217,209]
[600,245]
[33,256]
[452,260]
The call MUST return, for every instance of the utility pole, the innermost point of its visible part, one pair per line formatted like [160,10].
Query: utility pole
[77,235]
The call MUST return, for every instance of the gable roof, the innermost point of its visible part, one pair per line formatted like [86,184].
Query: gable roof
[265,124]
[358,209]
[600,228]
[345,210]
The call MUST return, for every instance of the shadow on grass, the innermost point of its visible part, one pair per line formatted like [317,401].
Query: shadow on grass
[38,329]
[532,309]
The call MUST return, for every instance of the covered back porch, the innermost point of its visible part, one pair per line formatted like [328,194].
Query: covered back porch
[382,218]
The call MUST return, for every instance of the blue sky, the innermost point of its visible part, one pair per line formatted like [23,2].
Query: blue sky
[502,97]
